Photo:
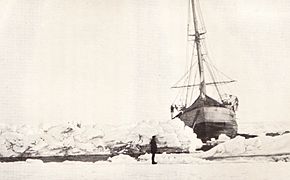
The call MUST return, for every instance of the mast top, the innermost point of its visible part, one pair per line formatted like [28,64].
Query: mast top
[202,87]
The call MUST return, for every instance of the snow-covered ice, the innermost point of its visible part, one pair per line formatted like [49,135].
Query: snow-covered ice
[73,139]
[94,139]
[122,159]
[173,158]
[262,145]
[260,128]
[198,171]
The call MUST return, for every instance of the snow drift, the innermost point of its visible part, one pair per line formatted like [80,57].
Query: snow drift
[73,139]
[262,145]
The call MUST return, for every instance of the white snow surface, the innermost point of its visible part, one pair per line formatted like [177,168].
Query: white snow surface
[71,139]
[260,128]
[173,158]
[122,159]
[262,145]
[172,133]
[142,171]
[56,140]
[94,139]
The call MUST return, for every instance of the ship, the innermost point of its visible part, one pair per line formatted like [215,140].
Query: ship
[207,115]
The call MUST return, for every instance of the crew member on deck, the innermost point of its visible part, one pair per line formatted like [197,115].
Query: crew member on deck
[234,102]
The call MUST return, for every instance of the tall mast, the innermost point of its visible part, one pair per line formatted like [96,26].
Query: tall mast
[202,87]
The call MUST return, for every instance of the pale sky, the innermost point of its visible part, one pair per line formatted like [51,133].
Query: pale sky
[114,61]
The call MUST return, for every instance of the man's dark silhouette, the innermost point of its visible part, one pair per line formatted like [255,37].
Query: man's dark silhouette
[153,146]
[172,109]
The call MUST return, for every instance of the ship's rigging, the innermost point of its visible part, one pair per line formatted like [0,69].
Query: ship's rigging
[200,65]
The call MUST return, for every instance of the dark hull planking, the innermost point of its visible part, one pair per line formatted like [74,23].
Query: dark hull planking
[210,122]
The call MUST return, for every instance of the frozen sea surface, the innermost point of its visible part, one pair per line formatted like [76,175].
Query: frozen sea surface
[182,166]
[78,170]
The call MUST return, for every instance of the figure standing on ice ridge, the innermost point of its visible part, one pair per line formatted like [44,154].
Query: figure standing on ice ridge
[153,149]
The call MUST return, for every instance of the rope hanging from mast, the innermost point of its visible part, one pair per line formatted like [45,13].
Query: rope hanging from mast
[189,78]
[193,87]
[199,54]
[195,42]
[213,78]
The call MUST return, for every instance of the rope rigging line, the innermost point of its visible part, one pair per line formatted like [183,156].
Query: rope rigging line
[225,88]
[210,72]
[193,86]
[189,75]
[184,91]
[178,95]
[186,80]
[208,83]
[186,73]
[187,93]
[203,28]
[217,70]
[217,73]
[210,69]
[210,61]
[188,19]
[216,77]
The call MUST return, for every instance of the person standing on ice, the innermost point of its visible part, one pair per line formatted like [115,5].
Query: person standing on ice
[153,148]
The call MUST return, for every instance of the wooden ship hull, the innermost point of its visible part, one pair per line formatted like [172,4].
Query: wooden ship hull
[210,122]
[207,116]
